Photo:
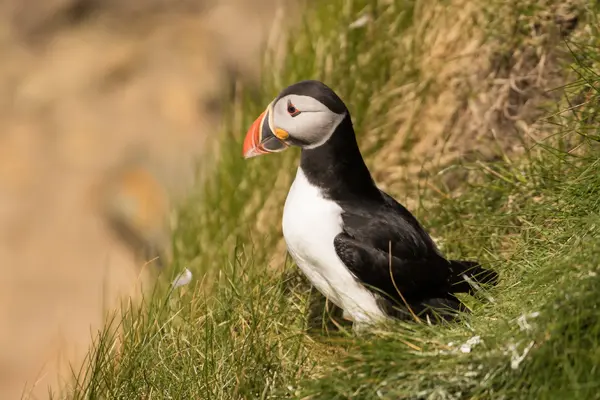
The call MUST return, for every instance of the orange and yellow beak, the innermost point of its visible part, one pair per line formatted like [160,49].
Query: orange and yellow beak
[261,139]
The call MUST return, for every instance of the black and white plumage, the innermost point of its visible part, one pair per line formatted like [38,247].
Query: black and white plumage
[340,229]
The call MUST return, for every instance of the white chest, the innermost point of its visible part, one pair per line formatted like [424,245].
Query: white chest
[310,224]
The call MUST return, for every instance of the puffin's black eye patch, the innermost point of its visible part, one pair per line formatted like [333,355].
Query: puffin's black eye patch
[292,110]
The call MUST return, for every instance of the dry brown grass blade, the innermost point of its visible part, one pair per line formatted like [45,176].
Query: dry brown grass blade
[410,310]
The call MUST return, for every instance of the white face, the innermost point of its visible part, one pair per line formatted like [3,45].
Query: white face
[305,119]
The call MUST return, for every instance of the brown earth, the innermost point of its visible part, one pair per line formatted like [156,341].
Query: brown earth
[104,106]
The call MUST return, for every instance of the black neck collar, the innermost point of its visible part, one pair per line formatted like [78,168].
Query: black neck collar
[337,167]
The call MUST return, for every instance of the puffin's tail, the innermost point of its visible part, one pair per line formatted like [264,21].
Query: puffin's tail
[466,275]
[433,310]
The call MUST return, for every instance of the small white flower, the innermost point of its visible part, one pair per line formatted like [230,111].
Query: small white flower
[522,320]
[516,359]
[469,344]
[360,22]
[183,278]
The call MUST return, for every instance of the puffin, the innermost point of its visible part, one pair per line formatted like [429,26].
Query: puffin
[357,245]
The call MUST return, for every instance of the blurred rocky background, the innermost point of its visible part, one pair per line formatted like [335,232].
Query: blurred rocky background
[104,106]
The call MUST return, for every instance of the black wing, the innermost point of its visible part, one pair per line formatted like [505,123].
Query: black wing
[376,234]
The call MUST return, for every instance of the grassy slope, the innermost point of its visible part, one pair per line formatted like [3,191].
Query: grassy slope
[241,333]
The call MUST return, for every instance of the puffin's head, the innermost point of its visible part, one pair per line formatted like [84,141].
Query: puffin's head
[304,114]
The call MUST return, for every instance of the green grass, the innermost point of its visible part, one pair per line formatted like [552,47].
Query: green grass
[542,232]
[243,330]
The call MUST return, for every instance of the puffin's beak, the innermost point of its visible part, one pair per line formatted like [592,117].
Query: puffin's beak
[261,139]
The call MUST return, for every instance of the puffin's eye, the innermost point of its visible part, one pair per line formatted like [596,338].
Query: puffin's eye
[292,110]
